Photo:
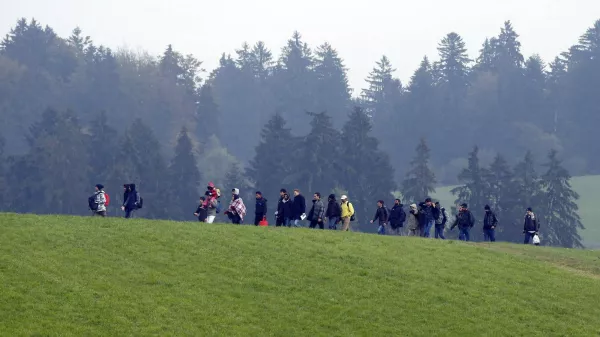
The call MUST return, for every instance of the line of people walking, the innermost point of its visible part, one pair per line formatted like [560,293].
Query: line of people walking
[291,212]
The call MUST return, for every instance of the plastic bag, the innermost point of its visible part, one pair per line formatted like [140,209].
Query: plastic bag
[536,240]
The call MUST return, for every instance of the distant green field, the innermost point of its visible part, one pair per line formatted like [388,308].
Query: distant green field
[588,188]
[74,276]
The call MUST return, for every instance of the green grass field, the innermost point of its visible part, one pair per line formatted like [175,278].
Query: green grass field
[72,276]
[588,188]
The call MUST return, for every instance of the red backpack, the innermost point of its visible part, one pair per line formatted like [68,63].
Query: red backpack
[107,199]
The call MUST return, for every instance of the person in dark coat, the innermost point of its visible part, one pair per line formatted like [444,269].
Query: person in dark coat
[428,215]
[531,226]
[260,211]
[465,221]
[489,225]
[397,217]
[382,215]
[317,212]
[201,211]
[334,212]
[298,207]
[287,210]
[131,201]
[279,212]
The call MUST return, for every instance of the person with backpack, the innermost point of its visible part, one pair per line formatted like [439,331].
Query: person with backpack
[347,213]
[441,221]
[397,217]
[382,214]
[237,209]
[201,211]
[298,208]
[98,201]
[132,202]
[428,215]
[465,221]
[413,222]
[334,212]
[317,212]
[531,226]
[489,225]
[260,209]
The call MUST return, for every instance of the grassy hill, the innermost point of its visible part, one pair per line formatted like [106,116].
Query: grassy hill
[73,276]
[588,188]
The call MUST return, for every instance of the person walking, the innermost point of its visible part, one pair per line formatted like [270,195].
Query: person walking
[440,222]
[413,221]
[333,213]
[287,210]
[397,217]
[298,208]
[347,213]
[200,212]
[489,225]
[132,201]
[260,210]
[237,210]
[428,214]
[98,204]
[317,212]
[382,215]
[279,212]
[531,226]
[465,221]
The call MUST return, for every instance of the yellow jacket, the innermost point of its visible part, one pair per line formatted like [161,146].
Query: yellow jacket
[347,209]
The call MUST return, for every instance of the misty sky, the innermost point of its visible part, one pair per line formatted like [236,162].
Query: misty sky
[361,31]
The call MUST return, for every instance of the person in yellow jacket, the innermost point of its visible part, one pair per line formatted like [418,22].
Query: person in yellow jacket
[347,213]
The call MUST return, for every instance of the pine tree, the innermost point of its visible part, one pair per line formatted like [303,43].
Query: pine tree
[454,64]
[102,146]
[365,171]
[207,114]
[262,62]
[384,90]
[184,178]
[271,164]
[333,92]
[500,186]
[140,161]
[487,56]
[561,220]
[315,162]
[508,47]
[420,180]
[475,188]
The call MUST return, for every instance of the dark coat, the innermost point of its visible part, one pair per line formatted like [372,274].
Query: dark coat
[287,210]
[132,198]
[261,207]
[464,219]
[298,206]
[397,216]
[489,220]
[317,211]
[531,224]
[333,210]
[382,214]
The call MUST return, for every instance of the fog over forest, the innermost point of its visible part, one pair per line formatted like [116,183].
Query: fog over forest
[509,128]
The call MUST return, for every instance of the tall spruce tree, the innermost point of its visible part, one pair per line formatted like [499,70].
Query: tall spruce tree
[420,180]
[366,173]
[501,187]
[315,162]
[102,146]
[561,220]
[184,178]
[332,92]
[272,161]
[475,188]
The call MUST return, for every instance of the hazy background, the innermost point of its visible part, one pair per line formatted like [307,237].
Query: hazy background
[405,31]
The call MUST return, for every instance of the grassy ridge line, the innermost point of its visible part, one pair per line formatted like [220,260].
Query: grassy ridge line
[98,277]
[587,187]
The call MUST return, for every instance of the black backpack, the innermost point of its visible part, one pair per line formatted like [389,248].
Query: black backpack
[92,203]
[140,203]
[353,216]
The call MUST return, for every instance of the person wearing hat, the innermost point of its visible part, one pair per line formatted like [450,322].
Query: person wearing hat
[465,221]
[489,225]
[347,213]
[531,226]
[237,210]
[412,221]
[333,213]
[99,201]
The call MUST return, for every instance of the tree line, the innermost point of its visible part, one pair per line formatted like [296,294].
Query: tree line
[58,96]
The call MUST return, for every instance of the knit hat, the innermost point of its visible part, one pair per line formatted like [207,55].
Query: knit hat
[464,205]
[100,186]
[236,191]
[332,196]
[259,193]
[487,207]
[529,209]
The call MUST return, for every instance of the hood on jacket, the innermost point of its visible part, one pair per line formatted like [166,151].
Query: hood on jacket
[132,187]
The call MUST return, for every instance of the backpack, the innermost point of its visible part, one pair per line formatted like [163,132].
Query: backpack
[92,203]
[140,202]
[353,216]
[444,217]
[107,199]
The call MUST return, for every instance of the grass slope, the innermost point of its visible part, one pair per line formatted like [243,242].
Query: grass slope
[589,209]
[73,276]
